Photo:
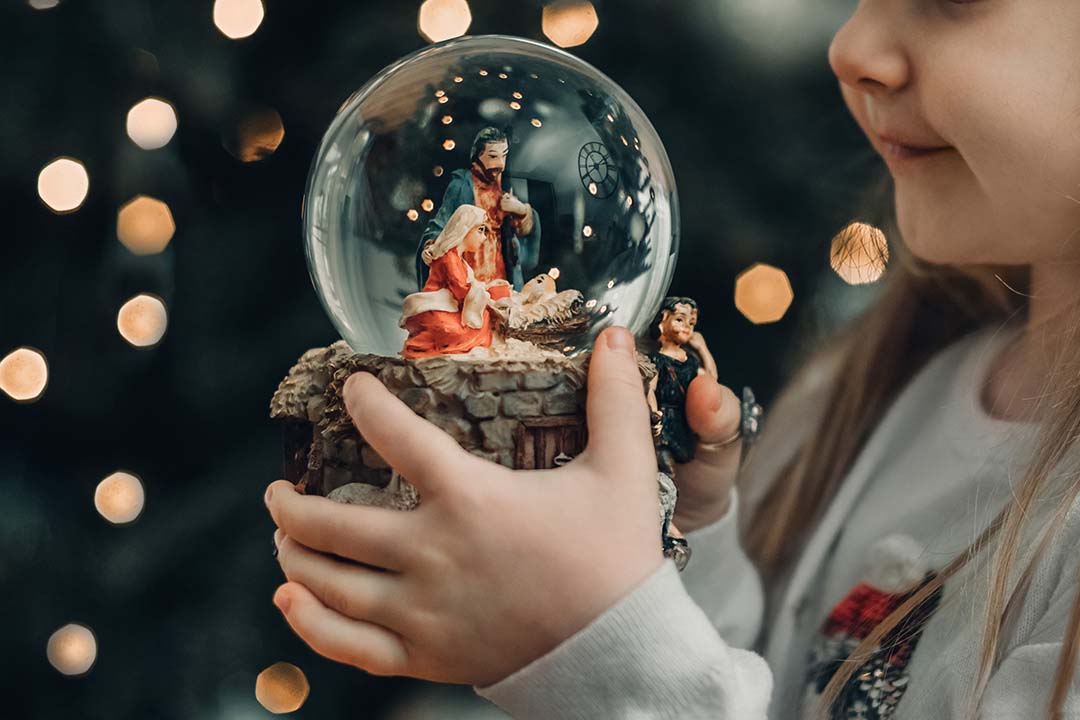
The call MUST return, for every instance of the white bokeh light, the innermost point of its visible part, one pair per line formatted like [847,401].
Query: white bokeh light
[120,497]
[142,320]
[151,123]
[63,185]
[72,649]
[237,19]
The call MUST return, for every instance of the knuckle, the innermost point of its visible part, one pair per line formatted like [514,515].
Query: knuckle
[336,596]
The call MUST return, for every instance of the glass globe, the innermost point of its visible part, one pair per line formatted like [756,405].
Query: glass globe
[579,159]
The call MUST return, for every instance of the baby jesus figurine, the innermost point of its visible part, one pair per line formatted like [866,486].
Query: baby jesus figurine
[452,314]
[675,370]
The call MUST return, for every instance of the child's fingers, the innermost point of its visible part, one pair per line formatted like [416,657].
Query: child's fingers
[617,414]
[369,535]
[332,635]
[712,410]
[421,452]
[356,591]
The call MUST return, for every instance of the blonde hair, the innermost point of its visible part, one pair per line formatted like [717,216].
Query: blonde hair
[461,222]
[921,309]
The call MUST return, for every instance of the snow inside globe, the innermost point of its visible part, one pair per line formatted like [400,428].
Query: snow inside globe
[489,196]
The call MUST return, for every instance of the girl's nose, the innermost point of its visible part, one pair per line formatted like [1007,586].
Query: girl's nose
[867,53]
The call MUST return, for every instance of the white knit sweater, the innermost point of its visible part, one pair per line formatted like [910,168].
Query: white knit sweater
[931,477]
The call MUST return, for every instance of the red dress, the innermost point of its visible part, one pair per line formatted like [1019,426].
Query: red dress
[438,332]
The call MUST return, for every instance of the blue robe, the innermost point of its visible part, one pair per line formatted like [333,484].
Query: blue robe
[460,192]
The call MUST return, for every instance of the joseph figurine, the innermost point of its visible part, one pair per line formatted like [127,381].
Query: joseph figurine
[512,245]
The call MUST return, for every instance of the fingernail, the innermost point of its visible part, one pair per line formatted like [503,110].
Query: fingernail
[269,492]
[282,600]
[620,339]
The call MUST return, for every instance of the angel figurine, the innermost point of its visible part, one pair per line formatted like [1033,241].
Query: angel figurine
[453,313]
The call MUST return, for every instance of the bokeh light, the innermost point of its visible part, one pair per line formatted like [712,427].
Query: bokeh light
[859,253]
[151,123]
[763,293]
[256,136]
[569,23]
[142,320]
[145,225]
[43,4]
[238,19]
[24,374]
[72,649]
[443,19]
[63,185]
[282,688]
[119,498]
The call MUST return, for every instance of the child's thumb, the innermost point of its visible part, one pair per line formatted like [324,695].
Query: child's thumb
[618,416]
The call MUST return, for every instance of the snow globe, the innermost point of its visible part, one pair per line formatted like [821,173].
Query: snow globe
[476,214]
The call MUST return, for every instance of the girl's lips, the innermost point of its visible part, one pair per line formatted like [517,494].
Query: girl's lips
[893,148]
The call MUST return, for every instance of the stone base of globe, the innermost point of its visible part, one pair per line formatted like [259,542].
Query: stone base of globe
[522,412]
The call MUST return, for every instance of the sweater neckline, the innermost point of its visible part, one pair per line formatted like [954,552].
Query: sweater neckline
[974,432]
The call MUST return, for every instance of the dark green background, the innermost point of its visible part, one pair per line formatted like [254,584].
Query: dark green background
[769,166]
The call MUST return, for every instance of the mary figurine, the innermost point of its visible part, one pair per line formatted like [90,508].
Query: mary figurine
[452,314]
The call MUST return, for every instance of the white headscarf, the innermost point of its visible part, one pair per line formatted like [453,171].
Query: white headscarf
[464,219]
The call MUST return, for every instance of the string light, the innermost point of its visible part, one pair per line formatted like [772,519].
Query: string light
[447,119]
[554,273]
[587,231]
[517,95]
[427,205]
[458,79]
[859,254]
[443,19]
[119,498]
[43,4]
[440,93]
[515,105]
[63,185]
[145,225]
[238,19]
[503,76]
[443,100]
[282,688]
[258,135]
[449,144]
[763,293]
[536,122]
[483,73]
[151,123]
[24,374]
[437,171]
[142,320]
[593,189]
[412,214]
[72,649]
[569,23]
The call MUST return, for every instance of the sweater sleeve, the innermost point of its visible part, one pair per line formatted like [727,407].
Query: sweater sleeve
[723,582]
[654,654]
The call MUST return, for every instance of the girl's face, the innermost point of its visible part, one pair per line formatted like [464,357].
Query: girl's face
[975,107]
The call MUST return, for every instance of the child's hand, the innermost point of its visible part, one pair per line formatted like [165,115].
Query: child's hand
[704,483]
[496,567]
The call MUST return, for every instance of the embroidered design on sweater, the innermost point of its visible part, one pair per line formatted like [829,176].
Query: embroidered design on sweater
[895,572]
